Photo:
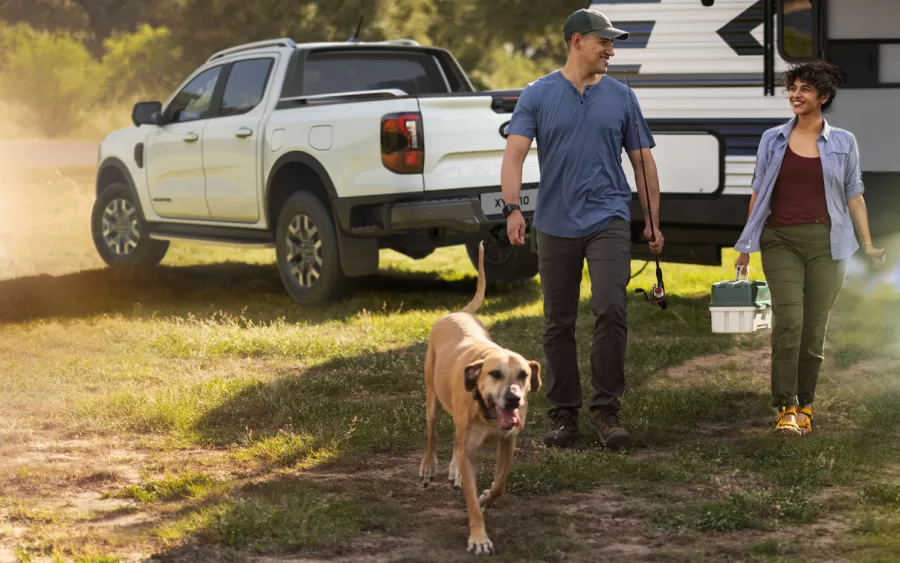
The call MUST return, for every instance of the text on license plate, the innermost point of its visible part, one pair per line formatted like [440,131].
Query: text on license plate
[492,204]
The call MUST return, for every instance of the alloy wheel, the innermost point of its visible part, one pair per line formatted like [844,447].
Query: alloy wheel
[120,227]
[304,250]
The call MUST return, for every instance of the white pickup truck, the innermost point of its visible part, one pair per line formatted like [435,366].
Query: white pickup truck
[327,152]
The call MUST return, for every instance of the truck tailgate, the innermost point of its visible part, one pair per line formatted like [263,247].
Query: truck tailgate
[464,144]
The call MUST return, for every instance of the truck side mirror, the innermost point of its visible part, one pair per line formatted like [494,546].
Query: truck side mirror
[146,113]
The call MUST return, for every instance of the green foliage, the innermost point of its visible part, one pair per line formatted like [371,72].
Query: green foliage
[111,53]
[54,78]
[12,37]
[141,65]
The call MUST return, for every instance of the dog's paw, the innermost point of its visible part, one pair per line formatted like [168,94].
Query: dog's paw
[480,545]
[488,498]
[453,475]
[426,470]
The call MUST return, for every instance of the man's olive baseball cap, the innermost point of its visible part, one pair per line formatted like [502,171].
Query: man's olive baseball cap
[586,21]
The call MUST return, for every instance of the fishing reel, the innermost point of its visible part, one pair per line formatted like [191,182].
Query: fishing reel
[657,294]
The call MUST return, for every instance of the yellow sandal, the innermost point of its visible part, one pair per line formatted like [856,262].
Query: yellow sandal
[807,425]
[784,427]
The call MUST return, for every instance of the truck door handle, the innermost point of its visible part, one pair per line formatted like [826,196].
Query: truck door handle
[191,137]
[243,132]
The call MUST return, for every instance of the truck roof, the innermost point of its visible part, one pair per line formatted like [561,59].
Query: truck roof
[286,42]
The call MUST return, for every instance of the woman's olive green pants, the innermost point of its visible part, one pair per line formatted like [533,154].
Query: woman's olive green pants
[804,282]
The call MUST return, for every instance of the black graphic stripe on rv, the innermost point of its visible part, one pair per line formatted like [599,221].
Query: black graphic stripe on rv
[639,33]
[684,80]
[741,136]
[738,33]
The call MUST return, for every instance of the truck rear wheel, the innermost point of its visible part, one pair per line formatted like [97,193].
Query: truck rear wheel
[306,250]
[503,262]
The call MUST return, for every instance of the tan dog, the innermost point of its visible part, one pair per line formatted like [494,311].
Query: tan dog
[483,386]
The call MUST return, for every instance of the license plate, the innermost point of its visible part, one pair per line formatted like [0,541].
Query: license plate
[492,204]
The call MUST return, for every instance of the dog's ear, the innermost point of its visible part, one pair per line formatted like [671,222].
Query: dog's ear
[473,370]
[535,375]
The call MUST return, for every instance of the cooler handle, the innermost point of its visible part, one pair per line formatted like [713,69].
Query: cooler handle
[742,269]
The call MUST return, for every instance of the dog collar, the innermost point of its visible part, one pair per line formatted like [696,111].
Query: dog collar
[485,411]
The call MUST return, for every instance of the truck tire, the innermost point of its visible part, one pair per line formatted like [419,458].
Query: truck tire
[503,262]
[306,250]
[120,233]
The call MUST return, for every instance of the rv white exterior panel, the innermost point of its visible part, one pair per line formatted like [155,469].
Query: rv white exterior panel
[739,174]
[889,62]
[685,162]
[711,103]
[875,131]
[863,19]
[684,39]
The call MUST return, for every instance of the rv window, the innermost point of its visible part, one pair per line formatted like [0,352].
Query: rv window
[797,29]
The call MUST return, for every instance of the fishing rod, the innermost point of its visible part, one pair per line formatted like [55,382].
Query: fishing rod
[657,294]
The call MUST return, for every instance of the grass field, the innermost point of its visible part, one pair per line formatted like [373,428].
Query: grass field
[197,414]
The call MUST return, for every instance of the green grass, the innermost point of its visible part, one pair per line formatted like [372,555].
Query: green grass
[278,519]
[225,419]
[741,511]
[167,488]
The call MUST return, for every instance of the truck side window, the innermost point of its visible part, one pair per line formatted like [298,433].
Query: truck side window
[338,71]
[245,86]
[193,101]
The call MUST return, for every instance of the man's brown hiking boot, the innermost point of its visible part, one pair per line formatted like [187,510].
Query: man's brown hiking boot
[564,428]
[609,429]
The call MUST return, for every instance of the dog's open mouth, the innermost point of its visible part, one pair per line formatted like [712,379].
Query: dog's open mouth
[507,418]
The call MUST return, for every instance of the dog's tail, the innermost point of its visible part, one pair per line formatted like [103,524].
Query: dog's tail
[476,301]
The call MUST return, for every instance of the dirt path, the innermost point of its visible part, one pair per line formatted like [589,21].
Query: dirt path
[42,154]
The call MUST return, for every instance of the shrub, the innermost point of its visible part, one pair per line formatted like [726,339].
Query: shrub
[54,78]
[141,65]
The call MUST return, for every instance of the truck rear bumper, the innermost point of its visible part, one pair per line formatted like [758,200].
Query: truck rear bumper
[459,213]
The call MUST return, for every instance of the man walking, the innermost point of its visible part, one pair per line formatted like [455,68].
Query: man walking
[582,120]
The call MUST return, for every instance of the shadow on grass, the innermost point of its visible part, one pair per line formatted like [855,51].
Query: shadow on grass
[337,447]
[254,290]
[373,402]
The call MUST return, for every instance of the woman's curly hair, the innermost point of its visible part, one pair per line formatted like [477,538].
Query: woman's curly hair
[823,76]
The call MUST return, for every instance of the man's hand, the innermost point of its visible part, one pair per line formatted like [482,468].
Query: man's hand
[656,240]
[742,261]
[515,228]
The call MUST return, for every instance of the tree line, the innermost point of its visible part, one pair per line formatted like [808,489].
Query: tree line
[60,58]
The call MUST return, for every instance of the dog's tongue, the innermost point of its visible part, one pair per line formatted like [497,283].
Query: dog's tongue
[507,418]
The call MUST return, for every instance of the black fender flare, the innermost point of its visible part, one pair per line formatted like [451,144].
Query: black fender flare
[358,255]
[116,163]
[301,158]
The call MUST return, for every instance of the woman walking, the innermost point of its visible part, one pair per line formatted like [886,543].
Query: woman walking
[807,199]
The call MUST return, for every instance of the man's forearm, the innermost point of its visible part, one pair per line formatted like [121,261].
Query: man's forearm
[652,185]
[510,179]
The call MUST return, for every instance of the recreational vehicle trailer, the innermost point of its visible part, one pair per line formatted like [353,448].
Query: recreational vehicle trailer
[706,76]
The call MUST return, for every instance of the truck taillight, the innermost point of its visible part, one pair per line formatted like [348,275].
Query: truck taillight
[402,143]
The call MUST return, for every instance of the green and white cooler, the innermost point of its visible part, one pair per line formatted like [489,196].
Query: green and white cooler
[740,305]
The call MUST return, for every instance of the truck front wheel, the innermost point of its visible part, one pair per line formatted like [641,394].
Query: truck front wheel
[306,250]
[119,232]
[503,262]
